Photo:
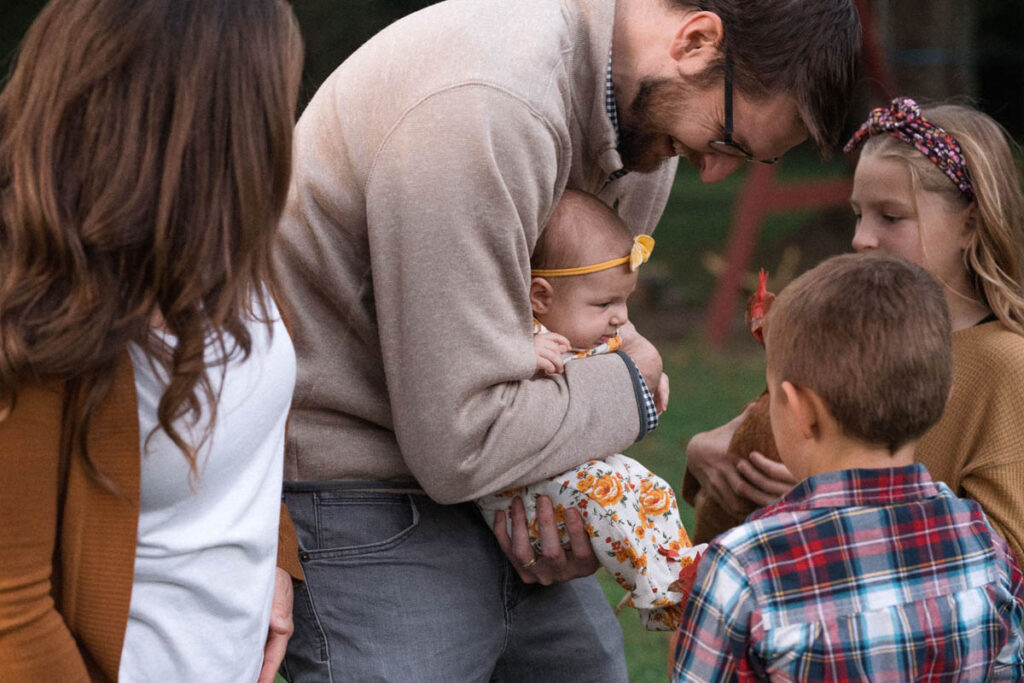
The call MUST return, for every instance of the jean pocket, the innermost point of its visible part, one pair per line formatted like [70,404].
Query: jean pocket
[354,523]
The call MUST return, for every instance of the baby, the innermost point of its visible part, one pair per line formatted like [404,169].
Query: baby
[584,268]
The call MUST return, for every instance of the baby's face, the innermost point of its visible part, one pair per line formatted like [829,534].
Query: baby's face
[589,309]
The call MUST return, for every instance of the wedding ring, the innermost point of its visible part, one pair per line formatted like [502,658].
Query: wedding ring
[527,565]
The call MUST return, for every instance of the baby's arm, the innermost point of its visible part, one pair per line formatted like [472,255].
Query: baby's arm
[550,347]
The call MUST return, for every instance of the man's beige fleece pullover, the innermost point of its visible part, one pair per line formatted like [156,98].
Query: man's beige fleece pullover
[425,167]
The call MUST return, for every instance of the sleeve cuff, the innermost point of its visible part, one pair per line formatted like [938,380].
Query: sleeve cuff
[644,399]
[288,546]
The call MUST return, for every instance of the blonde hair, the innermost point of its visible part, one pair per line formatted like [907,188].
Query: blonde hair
[995,251]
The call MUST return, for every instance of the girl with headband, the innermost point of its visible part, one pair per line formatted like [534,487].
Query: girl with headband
[585,266]
[939,187]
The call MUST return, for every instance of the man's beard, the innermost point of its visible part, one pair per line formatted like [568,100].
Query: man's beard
[656,100]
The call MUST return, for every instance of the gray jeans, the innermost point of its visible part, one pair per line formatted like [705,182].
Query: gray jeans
[399,588]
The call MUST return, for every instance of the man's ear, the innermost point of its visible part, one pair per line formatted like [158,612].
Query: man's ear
[805,407]
[697,42]
[540,295]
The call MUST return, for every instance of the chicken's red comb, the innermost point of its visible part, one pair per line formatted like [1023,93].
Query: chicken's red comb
[757,306]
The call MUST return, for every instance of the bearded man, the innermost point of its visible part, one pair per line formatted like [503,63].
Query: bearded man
[425,168]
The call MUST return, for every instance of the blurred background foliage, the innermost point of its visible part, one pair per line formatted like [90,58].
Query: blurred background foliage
[936,48]
[970,50]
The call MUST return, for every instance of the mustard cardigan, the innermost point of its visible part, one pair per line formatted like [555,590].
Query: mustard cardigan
[67,545]
[977,447]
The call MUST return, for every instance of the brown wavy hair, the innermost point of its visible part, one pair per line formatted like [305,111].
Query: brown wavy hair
[145,153]
[807,48]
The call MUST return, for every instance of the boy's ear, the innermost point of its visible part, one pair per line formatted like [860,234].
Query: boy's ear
[541,293]
[806,409]
[697,42]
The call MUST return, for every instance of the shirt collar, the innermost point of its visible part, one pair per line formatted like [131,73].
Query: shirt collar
[612,110]
[609,97]
[847,488]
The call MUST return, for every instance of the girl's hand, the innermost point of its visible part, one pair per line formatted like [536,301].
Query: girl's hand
[764,480]
[714,468]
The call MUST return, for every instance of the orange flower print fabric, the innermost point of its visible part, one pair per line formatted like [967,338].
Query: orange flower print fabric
[610,346]
[633,522]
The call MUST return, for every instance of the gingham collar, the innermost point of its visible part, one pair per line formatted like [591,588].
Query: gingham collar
[612,110]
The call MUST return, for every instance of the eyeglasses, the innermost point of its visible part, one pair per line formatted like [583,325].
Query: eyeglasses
[727,145]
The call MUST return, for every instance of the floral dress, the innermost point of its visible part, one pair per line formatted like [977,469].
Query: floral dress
[633,522]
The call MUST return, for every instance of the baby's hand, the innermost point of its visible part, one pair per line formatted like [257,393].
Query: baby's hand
[550,347]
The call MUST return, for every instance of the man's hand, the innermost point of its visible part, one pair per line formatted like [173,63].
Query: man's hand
[554,564]
[643,353]
[661,394]
[549,347]
[281,626]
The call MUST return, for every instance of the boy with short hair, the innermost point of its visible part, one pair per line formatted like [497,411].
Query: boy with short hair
[867,569]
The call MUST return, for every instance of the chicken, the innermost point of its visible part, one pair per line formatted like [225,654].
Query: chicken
[753,434]
[757,307]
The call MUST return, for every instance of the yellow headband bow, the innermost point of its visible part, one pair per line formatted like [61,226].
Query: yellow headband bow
[643,245]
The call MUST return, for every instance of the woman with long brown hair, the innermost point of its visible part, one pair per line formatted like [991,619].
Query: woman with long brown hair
[145,373]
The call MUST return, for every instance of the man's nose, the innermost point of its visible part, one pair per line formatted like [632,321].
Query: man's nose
[717,167]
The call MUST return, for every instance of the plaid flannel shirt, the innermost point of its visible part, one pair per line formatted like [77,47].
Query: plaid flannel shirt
[857,575]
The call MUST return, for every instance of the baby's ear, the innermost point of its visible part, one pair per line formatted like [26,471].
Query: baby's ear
[540,295]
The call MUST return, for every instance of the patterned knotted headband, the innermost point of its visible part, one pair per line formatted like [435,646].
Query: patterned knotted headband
[903,120]
[643,245]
